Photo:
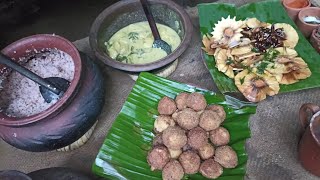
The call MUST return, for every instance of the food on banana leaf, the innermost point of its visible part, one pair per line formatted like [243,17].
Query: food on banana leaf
[190,162]
[210,120]
[256,87]
[181,100]
[206,151]
[292,37]
[158,157]
[185,141]
[196,101]
[220,136]
[174,138]
[162,123]
[211,169]
[258,55]
[188,119]
[226,63]
[209,45]
[226,157]
[252,23]
[172,171]
[227,31]
[197,137]
[174,154]
[218,109]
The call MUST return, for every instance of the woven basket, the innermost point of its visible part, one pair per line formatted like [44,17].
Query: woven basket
[80,142]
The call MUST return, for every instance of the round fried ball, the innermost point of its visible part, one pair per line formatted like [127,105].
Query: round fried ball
[190,162]
[158,157]
[210,120]
[172,171]
[181,100]
[162,123]
[175,115]
[188,119]
[206,151]
[174,154]
[197,137]
[211,169]
[196,101]
[166,106]
[157,140]
[220,136]
[174,137]
[226,157]
[218,109]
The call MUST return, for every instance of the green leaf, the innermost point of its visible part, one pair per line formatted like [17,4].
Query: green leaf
[122,58]
[133,35]
[270,11]
[123,154]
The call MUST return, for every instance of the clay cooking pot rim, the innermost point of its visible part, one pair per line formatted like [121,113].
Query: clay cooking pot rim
[104,57]
[303,13]
[285,3]
[38,42]
[315,119]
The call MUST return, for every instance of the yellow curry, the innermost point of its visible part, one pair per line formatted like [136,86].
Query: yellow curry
[133,43]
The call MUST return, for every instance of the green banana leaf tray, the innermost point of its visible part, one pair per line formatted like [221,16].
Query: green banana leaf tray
[123,154]
[271,11]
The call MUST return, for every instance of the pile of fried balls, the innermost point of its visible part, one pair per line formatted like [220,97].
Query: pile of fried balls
[181,144]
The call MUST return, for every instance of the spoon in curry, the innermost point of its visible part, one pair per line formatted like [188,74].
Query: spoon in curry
[51,88]
[158,42]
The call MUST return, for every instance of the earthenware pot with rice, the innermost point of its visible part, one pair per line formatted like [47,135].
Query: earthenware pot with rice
[309,145]
[26,121]
[121,37]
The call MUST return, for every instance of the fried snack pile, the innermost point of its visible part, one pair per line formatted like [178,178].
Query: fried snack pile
[189,138]
[257,55]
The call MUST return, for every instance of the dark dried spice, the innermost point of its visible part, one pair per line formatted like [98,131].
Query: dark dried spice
[265,38]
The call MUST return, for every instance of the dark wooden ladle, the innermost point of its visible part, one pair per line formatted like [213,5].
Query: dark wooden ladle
[158,42]
[51,88]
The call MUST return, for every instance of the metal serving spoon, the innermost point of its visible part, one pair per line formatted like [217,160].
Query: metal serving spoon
[158,43]
[311,19]
[51,88]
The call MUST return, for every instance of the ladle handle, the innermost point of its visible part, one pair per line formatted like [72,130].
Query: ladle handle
[27,73]
[303,115]
[150,18]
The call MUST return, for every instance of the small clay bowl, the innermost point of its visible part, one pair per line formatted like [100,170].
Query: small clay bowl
[123,13]
[307,28]
[294,11]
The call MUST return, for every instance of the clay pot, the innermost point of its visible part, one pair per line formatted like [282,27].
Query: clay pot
[294,11]
[315,40]
[123,13]
[309,146]
[59,173]
[73,114]
[13,175]
[307,28]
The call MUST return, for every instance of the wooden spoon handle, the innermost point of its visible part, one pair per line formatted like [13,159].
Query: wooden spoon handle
[150,18]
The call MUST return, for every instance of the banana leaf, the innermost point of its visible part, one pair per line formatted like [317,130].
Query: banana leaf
[270,11]
[123,154]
